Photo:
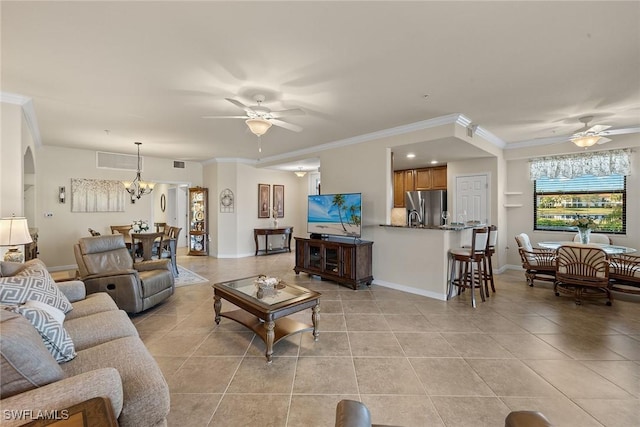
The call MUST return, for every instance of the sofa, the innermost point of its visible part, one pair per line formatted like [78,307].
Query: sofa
[107,358]
[105,265]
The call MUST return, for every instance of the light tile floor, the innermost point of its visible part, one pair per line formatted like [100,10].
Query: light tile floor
[412,360]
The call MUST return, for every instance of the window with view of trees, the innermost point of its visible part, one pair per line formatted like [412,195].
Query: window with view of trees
[558,201]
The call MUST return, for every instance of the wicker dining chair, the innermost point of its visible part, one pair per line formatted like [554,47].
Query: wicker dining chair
[624,273]
[583,271]
[539,264]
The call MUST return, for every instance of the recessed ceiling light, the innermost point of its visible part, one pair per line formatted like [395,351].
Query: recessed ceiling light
[433,162]
[410,156]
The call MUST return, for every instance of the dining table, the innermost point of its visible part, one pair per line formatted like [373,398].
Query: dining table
[608,248]
[172,245]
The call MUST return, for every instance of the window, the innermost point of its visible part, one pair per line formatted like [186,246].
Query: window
[557,201]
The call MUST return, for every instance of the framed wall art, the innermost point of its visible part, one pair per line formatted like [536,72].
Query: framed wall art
[97,195]
[278,200]
[263,200]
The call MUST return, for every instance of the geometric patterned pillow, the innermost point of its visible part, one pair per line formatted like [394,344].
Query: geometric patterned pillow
[33,282]
[55,337]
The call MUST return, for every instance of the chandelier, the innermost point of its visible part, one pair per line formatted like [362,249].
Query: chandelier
[137,188]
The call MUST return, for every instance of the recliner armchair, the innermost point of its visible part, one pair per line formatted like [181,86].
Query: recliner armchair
[105,265]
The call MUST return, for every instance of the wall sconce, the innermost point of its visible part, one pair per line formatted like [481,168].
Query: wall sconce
[61,194]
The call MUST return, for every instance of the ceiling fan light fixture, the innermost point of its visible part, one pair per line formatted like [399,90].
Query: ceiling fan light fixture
[258,126]
[300,173]
[586,140]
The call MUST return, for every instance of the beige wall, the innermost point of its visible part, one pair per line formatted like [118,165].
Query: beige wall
[520,220]
[56,167]
[234,236]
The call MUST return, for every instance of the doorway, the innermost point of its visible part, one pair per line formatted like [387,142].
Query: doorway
[472,196]
[177,211]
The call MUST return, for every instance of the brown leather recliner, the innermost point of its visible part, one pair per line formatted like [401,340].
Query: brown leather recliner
[105,265]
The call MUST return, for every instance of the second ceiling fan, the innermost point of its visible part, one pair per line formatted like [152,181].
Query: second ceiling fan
[260,118]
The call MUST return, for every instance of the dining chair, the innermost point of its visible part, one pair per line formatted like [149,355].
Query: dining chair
[624,273]
[169,246]
[583,271]
[122,229]
[538,264]
[469,261]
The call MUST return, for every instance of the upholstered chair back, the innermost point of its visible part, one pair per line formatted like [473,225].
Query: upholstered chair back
[98,254]
[523,242]
[594,238]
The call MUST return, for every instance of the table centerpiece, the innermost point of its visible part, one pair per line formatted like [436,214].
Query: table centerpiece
[584,224]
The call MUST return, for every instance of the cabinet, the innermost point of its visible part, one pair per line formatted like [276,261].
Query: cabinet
[198,221]
[345,261]
[417,179]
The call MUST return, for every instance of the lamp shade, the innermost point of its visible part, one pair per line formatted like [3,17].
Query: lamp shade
[14,231]
[586,141]
[258,126]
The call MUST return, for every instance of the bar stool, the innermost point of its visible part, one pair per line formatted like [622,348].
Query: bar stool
[488,266]
[465,259]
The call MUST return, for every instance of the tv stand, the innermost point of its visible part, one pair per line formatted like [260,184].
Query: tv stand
[343,260]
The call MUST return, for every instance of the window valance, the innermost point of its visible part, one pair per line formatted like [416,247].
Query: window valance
[598,163]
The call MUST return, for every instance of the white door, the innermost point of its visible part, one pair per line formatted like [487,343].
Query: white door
[472,197]
[176,212]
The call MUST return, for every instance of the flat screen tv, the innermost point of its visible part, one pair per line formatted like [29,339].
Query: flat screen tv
[335,215]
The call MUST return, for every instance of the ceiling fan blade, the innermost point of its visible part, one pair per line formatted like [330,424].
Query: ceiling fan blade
[291,112]
[603,140]
[239,104]
[598,128]
[622,131]
[225,117]
[288,126]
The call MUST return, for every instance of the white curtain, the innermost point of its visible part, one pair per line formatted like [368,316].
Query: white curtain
[598,163]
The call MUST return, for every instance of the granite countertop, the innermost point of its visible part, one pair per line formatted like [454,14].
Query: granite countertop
[451,227]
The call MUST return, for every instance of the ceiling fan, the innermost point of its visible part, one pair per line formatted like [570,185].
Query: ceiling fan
[588,136]
[260,118]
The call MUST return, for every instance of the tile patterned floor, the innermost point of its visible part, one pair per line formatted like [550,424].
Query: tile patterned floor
[413,361]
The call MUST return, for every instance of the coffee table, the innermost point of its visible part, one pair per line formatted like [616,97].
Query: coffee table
[265,312]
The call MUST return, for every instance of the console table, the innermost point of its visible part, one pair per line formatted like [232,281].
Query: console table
[269,231]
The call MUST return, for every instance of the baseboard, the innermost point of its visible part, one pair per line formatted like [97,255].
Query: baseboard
[63,267]
[410,290]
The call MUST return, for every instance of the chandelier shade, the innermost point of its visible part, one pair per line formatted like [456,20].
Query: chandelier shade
[137,188]
[258,126]
[300,173]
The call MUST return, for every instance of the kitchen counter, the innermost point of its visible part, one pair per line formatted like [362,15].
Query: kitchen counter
[433,227]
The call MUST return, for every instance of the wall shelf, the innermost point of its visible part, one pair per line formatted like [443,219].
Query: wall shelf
[512,193]
[513,205]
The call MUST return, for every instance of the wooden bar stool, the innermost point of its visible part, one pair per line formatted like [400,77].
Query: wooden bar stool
[488,266]
[466,258]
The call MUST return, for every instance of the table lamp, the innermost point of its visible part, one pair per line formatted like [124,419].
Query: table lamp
[14,231]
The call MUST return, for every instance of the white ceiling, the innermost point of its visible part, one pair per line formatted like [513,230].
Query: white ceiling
[148,71]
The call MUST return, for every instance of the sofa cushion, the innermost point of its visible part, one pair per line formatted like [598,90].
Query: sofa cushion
[32,282]
[89,331]
[146,393]
[93,303]
[55,337]
[26,363]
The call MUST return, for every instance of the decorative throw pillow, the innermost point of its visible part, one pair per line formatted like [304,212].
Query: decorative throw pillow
[33,282]
[57,314]
[55,337]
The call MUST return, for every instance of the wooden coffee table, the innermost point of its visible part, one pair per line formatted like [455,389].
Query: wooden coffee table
[265,312]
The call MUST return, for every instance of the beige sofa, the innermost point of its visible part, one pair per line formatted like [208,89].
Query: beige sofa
[111,361]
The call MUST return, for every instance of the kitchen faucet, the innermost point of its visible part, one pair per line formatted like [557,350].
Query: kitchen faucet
[414,215]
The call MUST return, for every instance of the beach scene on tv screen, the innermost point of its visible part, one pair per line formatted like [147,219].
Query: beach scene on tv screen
[335,214]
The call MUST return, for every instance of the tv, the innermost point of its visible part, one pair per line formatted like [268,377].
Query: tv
[335,215]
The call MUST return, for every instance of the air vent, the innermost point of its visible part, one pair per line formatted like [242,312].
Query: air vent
[117,161]
[178,165]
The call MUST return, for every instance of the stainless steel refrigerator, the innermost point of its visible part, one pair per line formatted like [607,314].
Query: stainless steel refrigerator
[424,208]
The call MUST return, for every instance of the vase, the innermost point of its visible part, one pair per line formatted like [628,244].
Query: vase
[584,234]
[275,223]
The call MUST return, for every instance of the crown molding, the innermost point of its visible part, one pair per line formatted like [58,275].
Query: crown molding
[28,112]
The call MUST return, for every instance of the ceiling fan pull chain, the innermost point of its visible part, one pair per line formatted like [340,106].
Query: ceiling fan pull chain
[259,145]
